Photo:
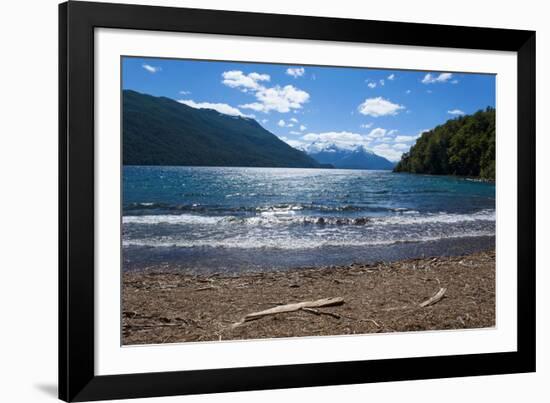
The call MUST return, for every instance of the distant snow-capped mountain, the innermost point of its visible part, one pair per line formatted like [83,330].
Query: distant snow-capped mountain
[346,156]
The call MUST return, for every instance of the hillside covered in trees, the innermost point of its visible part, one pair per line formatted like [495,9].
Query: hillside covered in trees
[463,146]
[161,131]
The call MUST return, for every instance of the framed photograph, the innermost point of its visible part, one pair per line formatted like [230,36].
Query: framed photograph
[257,201]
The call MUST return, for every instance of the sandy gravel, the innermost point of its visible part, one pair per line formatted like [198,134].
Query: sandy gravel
[168,308]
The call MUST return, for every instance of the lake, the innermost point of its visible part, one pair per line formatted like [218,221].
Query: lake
[225,219]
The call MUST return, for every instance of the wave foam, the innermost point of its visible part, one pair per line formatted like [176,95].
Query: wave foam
[289,217]
[289,243]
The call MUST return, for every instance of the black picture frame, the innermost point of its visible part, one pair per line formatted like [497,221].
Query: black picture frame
[77,379]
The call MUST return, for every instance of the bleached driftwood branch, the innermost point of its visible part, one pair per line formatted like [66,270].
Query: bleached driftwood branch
[436,298]
[292,308]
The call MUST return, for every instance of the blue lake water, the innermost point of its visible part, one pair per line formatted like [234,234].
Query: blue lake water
[212,219]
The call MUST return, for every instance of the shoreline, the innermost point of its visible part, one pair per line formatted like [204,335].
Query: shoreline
[213,260]
[169,307]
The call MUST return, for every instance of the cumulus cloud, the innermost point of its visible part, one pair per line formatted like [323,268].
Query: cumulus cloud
[294,143]
[389,151]
[382,82]
[391,77]
[244,82]
[379,106]
[436,78]
[371,85]
[220,107]
[405,139]
[376,133]
[277,98]
[280,99]
[401,146]
[456,112]
[366,125]
[379,140]
[294,120]
[302,128]
[151,69]
[282,123]
[343,139]
[295,71]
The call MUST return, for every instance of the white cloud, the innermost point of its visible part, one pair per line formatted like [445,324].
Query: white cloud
[182,92]
[282,123]
[294,120]
[401,147]
[382,82]
[245,82]
[454,82]
[408,92]
[365,125]
[280,99]
[221,108]
[378,140]
[277,98]
[436,78]
[151,69]
[294,132]
[295,72]
[456,112]
[371,85]
[255,106]
[404,139]
[389,151]
[376,133]
[302,128]
[379,106]
[343,139]
[264,121]
[294,143]
[391,77]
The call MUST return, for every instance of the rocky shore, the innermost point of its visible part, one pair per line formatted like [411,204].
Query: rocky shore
[436,293]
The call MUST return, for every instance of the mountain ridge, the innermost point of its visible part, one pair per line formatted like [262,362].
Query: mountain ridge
[353,157]
[162,131]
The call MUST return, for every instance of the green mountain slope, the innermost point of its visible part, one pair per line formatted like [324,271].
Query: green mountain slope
[161,131]
[463,146]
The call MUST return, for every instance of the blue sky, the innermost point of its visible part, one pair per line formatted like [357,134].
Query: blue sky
[314,106]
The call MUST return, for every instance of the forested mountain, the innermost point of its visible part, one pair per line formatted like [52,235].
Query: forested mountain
[463,146]
[348,158]
[161,131]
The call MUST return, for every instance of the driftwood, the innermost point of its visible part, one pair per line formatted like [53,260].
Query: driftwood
[292,308]
[210,287]
[318,312]
[436,298]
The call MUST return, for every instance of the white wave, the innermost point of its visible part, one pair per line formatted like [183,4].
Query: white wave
[446,218]
[289,216]
[171,219]
[289,243]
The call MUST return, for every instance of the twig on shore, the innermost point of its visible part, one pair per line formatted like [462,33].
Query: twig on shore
[318,312]
[291,308]
[210,287]
[436,298]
